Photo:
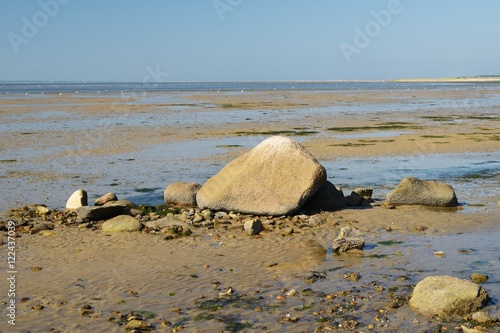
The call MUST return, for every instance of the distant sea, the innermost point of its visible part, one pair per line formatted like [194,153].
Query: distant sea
[25,87]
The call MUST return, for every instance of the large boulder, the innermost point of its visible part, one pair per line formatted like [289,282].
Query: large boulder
[327,198]
[275,178]
[447,295]
[78,199]
[181,194]
[413,191]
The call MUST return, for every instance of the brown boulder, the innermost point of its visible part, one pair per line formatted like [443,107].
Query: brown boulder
[275,178]
[413,191]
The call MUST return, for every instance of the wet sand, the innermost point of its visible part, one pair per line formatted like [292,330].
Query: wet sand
[53,145]
[177,283]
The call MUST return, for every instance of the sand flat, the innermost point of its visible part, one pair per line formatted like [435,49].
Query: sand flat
[136,145]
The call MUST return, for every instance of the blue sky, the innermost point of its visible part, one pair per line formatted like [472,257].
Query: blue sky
[247,40]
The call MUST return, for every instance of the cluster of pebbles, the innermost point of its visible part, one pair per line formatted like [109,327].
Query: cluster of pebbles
[171,220]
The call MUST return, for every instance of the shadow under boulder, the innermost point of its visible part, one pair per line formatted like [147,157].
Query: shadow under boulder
[327,198]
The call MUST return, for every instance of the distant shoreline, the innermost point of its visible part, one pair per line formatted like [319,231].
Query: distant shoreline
[451,79]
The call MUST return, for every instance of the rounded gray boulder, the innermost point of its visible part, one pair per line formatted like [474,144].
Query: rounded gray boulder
[413,191]
[447,295]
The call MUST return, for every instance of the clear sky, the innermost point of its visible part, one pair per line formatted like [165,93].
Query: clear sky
[247,40]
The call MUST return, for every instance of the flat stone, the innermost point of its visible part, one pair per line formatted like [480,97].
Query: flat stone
[122,223]
[447,295]
[413,191]
[275,178]
[353,200]
[77,199]
[181,194]
[163,223]
[105,198]
[97,213]
[120,203]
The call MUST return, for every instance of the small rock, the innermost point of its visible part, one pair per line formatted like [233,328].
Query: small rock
[253,226]
[96,213]
[352,277]
[482,317]
[287,231]
[228,292]
[349,238]
[40,209]
[315,221]
[353,200]
[198,218]
[207,214]
[181,194]
[77,199]
[140,325]
[478,278]
[221,215]
[120,203]
[105,198]
[465,329]
[122,223]
[40,227]
[366,192]
[163,223]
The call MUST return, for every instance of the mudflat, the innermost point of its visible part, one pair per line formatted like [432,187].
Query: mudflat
[219,278]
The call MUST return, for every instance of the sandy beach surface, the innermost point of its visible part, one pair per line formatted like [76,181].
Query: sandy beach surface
[219,279]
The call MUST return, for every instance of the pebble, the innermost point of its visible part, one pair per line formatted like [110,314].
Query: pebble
[352,276]
[141,325]
[482,317]
[221,215]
